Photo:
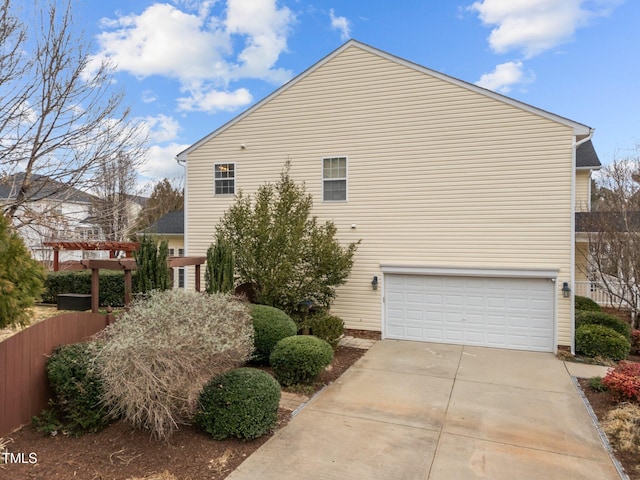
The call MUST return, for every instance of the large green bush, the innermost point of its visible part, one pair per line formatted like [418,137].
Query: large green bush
[601,341]
[240,403]
[286,254]
[300,359]
[77,387]
[605,319]
[20,277]
[585,303]
[160,353]
[327,327]
[111,286]
[270,326]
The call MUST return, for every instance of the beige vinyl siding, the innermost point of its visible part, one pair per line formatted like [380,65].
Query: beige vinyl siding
[583,190]
[582,251]
[174,241]
[438,175]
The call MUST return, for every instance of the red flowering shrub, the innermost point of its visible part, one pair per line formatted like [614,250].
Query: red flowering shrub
[623,381]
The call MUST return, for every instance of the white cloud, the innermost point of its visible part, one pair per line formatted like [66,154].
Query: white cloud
[190,44]
[160,129]
[504,77]
[166,41]
[265,27]
[161,162]
[148,96]
[341,24]
[535,26]
[214,100]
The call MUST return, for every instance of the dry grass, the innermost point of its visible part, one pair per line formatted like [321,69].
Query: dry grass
[622,426]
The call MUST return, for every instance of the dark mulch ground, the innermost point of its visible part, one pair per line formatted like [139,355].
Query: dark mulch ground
[601,403]
[119,452]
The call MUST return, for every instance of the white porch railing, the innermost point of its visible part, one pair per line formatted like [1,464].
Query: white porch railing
[593,291]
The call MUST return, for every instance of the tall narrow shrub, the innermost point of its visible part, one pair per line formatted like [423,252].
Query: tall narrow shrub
[218,275]
[153,270]
[21,277]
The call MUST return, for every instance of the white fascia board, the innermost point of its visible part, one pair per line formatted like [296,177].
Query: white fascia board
[469,272]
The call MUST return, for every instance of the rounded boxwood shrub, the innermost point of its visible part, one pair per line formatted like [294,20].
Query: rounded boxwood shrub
[77,387]
[300,359]
[270,325]
[601,341]
[327,327]
[240,403]
[585,303]
[604,319]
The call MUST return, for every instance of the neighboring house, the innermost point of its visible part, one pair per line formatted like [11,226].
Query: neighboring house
[170,227]
[58,213]
[464,199]
[54,213]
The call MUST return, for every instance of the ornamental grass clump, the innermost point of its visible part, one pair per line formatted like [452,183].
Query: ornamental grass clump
[159,354]
[622,426]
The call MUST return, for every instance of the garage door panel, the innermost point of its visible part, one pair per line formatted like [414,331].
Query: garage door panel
[497,312]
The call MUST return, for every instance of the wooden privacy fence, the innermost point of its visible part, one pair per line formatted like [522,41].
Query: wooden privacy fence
[24,390]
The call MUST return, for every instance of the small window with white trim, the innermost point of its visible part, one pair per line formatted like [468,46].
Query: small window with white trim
[224,178]
[334,179]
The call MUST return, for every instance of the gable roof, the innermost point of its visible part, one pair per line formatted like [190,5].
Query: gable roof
[579,129]
[170,224]
[43,187]
[586,157]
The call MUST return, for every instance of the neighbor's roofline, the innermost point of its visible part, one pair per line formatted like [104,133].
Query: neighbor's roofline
[578,128]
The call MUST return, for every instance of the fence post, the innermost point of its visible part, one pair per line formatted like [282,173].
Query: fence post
[109,319]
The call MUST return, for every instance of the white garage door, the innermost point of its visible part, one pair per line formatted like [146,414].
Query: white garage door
[515,313]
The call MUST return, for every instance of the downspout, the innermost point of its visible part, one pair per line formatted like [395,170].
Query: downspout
[183,164]
[576,144]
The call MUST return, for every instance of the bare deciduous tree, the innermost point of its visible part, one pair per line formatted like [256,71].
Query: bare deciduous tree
[114,206]
[614,234]
[65,122]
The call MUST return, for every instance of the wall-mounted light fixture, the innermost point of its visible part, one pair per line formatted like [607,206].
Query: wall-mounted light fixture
[566,291]
[374,283]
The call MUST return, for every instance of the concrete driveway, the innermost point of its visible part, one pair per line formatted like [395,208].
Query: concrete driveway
[410,410]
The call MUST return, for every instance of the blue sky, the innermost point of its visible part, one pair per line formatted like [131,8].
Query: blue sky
[189,66]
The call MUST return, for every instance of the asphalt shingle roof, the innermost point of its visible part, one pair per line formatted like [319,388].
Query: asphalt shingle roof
[42,187]
[170,224]
[586,156]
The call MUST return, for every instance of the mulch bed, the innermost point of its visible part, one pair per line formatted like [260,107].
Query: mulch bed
[601,403]
[119,452]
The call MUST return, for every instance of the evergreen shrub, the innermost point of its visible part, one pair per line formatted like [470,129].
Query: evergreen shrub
[240,403]
[270,326]
[601,341]
[300,359]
